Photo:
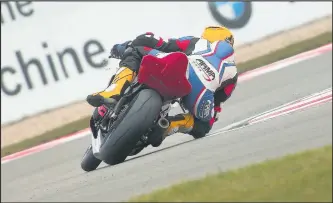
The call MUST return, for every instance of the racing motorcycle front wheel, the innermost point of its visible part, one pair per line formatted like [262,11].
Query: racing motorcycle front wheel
[89,162]
[130,125]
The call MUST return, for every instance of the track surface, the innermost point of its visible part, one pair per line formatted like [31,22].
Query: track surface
[55,174]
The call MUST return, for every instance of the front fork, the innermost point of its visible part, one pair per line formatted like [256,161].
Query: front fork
[96,144]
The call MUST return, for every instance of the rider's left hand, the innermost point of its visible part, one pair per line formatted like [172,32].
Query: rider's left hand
[118,50]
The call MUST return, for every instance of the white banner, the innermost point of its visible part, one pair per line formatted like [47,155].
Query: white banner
[52,52]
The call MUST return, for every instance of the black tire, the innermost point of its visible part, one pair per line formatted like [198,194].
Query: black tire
[136,120]
[137,151]
[89,161]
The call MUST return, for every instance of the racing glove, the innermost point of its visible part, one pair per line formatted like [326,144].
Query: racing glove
[118,50]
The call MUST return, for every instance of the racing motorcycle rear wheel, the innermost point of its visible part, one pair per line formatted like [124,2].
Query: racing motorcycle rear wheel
[130,125]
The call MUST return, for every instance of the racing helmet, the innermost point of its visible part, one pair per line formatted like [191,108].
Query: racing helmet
[215,33]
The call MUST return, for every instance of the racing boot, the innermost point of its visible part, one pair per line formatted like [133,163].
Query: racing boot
[118,84]
[180,123]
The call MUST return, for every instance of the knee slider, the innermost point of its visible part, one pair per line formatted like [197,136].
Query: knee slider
[200,128]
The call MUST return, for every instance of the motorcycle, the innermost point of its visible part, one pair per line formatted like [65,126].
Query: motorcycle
[138,119]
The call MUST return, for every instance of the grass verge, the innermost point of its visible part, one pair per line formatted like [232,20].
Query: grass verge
[252,64]
[302,177]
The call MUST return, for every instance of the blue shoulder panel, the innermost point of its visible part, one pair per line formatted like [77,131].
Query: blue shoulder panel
[222,51]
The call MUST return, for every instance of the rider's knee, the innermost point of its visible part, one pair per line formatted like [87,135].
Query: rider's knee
[200,128]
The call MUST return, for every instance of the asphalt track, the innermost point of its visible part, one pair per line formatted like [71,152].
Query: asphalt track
[55,174]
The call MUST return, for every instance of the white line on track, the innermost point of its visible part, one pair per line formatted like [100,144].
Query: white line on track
[296,105]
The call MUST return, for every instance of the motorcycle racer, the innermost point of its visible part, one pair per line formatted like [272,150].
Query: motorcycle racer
[212,74]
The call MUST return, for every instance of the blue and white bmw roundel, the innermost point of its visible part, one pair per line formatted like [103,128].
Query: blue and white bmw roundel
[231,14]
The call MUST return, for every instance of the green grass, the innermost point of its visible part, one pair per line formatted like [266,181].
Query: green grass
[252,64]
[302,177]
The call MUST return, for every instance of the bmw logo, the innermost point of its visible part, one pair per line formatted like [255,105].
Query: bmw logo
[231,14]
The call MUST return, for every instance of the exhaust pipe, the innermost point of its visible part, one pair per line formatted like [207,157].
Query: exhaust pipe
[163,123]
[156,137]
